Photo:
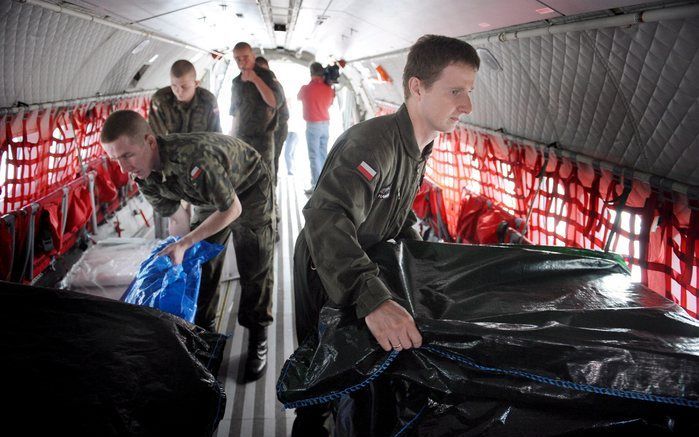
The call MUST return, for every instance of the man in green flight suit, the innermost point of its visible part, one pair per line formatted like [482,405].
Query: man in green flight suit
[184,106]
[255,101]
[364,196]
[230,188]
[282,129]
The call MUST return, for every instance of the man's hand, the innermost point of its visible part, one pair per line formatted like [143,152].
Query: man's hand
[176,250]
[393,327]
[248,75]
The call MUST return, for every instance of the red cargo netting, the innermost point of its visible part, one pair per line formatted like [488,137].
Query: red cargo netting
[45,158]
[569,203]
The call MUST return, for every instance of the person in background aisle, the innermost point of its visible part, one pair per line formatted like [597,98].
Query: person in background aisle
[364,196]
[256,99]
[316,97]
[279,134]
[282,129]
[184,106]
[289,149]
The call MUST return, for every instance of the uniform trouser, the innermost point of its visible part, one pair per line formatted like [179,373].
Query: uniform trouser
[310,296]
[279,138]
[254,248]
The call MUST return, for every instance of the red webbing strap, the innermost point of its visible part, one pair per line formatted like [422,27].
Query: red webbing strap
[7,237]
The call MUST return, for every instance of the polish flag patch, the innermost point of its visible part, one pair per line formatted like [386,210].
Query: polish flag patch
[196,172]
[366,171]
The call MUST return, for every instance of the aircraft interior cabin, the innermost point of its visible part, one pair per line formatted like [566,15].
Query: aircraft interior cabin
[349,218]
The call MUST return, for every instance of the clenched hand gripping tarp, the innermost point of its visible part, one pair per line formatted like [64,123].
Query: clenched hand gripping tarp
[80,365]
[516,341]
[171,288]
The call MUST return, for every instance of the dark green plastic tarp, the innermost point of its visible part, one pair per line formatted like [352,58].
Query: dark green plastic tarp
[517,340]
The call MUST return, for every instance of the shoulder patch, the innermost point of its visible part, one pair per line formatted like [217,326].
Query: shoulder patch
[366,171]
[195,172]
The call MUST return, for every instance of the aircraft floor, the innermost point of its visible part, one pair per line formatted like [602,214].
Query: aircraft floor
[252,409]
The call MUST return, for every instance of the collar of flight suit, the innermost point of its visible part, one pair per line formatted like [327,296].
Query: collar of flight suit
[405,128]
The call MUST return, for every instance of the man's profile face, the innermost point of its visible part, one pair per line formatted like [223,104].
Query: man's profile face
[244,58]
[448,98]
[184,87]
[133,155]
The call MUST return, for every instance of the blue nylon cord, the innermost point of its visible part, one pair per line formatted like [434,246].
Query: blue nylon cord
[568,384]
[338,394]
[407,425]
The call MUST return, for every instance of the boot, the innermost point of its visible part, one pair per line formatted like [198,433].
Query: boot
[256,362]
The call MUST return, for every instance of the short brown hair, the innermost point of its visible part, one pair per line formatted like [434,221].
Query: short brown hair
[317,69]
[182,67]
[123,122]
[242,45]
[431,54]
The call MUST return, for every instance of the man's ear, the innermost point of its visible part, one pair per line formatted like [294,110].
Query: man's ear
[197,83]
[151,141]
[415,86]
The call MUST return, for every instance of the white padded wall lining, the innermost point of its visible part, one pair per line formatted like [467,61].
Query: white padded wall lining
[628,95]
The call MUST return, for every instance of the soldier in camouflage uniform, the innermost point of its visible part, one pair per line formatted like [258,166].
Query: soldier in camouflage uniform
[364,196]
[184,106]
[230,188]
[282,129]
[255,101]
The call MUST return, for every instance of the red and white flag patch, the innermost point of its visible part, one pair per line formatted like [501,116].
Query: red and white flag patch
[196,172]
[366,171]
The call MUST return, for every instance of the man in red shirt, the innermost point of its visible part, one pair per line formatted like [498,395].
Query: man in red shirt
[316,98]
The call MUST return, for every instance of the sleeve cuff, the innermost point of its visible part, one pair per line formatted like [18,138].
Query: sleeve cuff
[372,294]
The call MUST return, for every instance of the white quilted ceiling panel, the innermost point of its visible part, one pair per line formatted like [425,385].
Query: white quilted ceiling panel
[47,56]
[628,95]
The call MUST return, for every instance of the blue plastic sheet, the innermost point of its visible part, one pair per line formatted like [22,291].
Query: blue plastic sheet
[172,288]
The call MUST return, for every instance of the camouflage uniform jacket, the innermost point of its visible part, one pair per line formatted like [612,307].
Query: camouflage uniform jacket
[206,169]
[168,116]
[364,196]
[253,117]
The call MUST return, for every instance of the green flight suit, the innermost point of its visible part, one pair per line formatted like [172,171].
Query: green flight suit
[280,133]
[364,196]
[169,116]
[255,120]
[206,170]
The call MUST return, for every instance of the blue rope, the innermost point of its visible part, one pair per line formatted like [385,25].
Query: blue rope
[323,399]
[568,384]
[407,425]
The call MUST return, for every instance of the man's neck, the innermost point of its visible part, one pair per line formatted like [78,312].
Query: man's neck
[423,135]
[157,162]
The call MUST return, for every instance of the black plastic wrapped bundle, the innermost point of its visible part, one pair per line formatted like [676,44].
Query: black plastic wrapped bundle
[79,365]
[516,341]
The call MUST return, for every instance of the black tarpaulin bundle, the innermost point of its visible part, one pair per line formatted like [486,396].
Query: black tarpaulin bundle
[79,365]
[516,341]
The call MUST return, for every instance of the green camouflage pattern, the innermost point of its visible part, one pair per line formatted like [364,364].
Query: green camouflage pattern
[167,115]
[206,169]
